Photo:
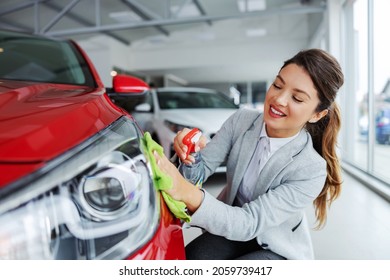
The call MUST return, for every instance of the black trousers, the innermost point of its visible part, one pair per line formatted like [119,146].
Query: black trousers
[212,247]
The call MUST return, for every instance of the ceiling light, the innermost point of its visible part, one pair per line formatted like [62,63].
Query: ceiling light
[158,39]
[205,36]
[256,32]
[125,16]
[251,5]
[189,10]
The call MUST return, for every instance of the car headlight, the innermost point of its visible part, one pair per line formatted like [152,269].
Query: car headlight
[97,201]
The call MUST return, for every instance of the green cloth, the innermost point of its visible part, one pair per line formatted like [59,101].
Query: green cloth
[161,180]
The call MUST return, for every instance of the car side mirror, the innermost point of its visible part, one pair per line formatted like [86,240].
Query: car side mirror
[128,84]
[144,107]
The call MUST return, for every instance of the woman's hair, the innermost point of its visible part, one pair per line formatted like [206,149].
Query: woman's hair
[327,76]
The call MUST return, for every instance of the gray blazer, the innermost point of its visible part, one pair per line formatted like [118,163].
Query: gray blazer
[289,182]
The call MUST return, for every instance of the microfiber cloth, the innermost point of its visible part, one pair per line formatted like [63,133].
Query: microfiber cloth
[161,180]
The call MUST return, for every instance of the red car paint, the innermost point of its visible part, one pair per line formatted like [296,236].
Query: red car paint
[166,243]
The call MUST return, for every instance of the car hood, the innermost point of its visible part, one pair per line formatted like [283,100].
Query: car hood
[40,121]
[207,120]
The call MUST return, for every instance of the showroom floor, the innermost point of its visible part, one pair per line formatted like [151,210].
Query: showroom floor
[358,226]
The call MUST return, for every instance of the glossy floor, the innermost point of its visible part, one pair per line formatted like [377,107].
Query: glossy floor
[358,226]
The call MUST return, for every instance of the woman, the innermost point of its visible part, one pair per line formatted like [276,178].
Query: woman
[278,163]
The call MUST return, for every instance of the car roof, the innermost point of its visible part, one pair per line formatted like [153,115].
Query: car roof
[10,34]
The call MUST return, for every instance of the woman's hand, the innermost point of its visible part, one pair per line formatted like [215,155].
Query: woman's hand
[181,149]
[182,190]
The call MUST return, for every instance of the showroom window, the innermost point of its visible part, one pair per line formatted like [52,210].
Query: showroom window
[366,56]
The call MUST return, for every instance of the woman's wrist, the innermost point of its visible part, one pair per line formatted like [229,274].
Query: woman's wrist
[192,197]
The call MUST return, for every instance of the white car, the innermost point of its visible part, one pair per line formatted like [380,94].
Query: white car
[168,110]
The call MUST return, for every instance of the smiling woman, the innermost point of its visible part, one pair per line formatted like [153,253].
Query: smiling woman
[291,102]
[278,163]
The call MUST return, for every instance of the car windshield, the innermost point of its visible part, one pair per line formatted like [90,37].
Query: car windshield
[192,99]
[29,58]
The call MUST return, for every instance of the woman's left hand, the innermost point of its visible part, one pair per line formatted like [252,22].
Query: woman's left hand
[177,179]
[181,190]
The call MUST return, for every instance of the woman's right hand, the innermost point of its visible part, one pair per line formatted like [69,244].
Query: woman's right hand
[181,149]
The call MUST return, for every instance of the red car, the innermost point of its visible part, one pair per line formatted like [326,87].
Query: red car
[74,182]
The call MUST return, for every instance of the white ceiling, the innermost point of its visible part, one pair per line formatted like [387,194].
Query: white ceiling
[196,40]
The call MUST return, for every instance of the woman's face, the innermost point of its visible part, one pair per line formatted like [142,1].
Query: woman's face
[290,102]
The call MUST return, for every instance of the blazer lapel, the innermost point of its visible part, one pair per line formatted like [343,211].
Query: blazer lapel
[247,149]
[277,162]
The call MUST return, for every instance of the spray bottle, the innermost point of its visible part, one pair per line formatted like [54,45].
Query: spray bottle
[190,172]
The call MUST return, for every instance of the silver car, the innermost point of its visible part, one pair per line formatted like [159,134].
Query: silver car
[165,111]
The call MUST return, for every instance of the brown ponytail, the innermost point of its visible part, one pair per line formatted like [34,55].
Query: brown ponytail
[324,134]
[327,76]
